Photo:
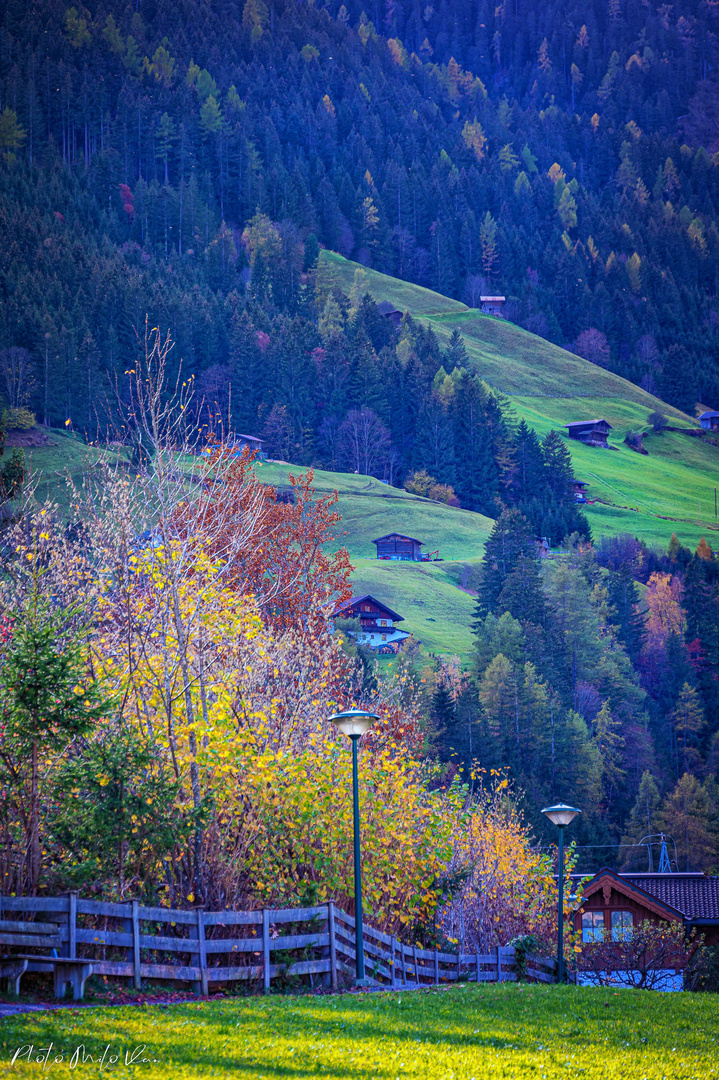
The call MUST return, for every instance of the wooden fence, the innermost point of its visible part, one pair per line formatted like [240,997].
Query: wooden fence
[212,947]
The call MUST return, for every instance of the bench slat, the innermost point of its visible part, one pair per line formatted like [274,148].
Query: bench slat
[33,941]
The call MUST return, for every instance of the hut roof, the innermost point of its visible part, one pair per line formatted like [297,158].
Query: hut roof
[399,536]
[588,424]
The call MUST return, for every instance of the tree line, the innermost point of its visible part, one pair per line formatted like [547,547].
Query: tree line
[562,158]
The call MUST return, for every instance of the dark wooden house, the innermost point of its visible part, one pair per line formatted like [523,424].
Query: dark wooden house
[397,546]
[709,421]
[492,305]
[616,902]
[580,491]
[239,442]
[592,432]
[376,620]
[390,312]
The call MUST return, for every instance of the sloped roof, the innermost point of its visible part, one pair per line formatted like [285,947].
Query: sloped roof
[400,536]
[386,308]
[492,299]
[358,600]
[588,423]
[708,414]
[695,895]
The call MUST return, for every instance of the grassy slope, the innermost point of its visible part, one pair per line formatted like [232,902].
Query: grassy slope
[51,467]
[549,386]
[465,1032]
[435,610]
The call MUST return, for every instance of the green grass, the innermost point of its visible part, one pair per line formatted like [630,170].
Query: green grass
[485,1033]
[650,496]
[51,466]
[430,596]
[435,610]
[370,509]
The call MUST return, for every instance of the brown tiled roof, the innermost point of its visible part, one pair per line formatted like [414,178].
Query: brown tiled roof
[694,895]
[348,604]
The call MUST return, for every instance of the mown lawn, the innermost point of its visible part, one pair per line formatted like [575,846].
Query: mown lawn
[484,1033]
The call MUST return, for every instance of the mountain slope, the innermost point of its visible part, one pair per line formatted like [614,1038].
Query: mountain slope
[651,496]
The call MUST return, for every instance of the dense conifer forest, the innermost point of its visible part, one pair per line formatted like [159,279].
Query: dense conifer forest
[184,162]
[562,157]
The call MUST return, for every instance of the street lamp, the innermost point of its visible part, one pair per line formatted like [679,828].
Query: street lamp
[354,724]
[561,815]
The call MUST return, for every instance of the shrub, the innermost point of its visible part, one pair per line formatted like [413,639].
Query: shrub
[21,419]
[419,483]
[642,959]
[658,421]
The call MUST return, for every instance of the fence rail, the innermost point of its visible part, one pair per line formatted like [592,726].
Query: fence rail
[212,947]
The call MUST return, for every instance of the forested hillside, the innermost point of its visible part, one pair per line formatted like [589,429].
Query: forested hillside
[561,157]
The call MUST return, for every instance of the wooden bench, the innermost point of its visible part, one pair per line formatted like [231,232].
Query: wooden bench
[37,935]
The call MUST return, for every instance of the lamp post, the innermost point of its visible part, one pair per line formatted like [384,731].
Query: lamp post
[561,815]
[354,724]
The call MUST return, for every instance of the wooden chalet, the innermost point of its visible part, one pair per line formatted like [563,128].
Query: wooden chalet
[376,620]
[492,305]
[616,902]
[389,311]
[709,421]
[591,432]
[397,546]
[580,491]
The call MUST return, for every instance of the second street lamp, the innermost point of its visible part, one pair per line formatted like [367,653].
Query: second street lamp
[561,815]
[354,724]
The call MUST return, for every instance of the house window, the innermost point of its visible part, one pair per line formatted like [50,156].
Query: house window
[622,924]
[384,637]
[593,926]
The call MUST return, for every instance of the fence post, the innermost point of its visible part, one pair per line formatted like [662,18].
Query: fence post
[266,948]
[136,944]
[202,953]
[459,962]
[392,952]
[404,965]
[499,963]
[416,968]
[72,926]
[476,960]
[333,944]
[436,968]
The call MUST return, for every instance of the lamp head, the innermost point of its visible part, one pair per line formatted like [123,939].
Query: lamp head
[354,723]
[561,814]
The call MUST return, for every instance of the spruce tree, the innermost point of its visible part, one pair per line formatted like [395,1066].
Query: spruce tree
[511,540]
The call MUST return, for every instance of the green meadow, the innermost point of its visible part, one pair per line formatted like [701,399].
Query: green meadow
[461,1033]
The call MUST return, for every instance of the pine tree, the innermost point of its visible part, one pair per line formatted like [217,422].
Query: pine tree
[643,821]
[689,817]
[511,540]
[687,721]
[46,701]
[624,599]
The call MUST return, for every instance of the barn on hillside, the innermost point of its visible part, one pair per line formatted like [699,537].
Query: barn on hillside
[390,312]
[709,420]
[397,546]
[492,305]
[591,432]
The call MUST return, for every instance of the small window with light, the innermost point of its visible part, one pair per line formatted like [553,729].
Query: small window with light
[622,924]
[592,926]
